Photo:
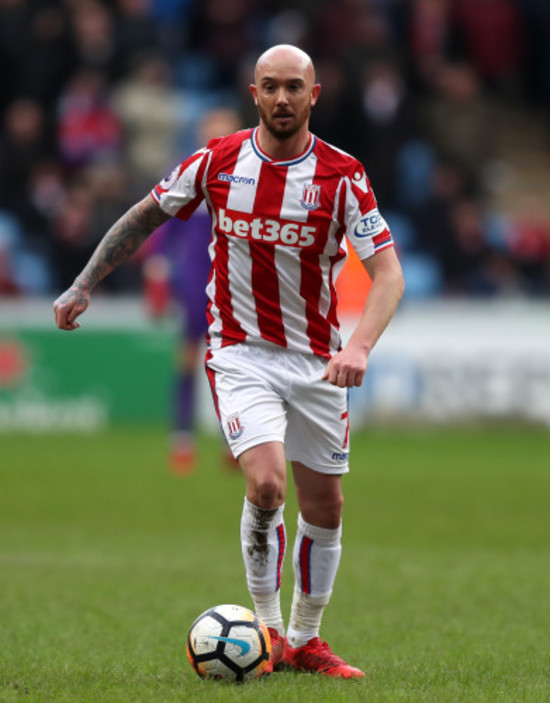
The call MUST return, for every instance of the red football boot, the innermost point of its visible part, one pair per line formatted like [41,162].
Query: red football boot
[317,656]
[277,650]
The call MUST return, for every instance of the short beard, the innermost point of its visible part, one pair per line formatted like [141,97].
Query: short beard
[282,134]
[279,134]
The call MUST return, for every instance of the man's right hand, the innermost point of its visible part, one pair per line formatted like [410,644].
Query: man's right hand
[70,304]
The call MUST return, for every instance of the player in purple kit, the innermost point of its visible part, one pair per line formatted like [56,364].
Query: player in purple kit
[178,255]
[284,207]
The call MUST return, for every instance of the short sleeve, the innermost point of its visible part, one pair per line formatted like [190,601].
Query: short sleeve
[180,193]
[366,229]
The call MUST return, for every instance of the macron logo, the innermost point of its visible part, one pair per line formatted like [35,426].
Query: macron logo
[231,178]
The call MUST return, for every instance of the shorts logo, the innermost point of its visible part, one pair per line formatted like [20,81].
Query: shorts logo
[234,427]
[371,224]
[311,196]
[340,456]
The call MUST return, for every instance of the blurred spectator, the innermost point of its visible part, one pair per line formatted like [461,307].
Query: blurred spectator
[371,36]
[530,247]
[171,18]
[135,32]
[88,127]
[92,201]
[8,286]
[290,26]
[334,27]
[433,216]
[336,118]
[93,27]
[9,240]
[487,267]
[43,54]
[108,182]
[72,243]
[492,39]
[386,120]
[223,31]
[468,254]
[429,36]
[47,188]
[151,114]
[24,143]
[458,120]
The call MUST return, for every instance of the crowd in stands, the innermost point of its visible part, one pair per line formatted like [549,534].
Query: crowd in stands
[100,99]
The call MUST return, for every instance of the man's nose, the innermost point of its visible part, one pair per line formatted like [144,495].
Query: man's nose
[281,96]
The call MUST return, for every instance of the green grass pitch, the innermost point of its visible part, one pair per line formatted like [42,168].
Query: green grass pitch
[443,592]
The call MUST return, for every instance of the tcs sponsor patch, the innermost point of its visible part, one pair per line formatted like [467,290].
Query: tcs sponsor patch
[371,224]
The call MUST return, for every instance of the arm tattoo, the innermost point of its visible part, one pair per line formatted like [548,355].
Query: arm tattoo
[121,241]
[77,294]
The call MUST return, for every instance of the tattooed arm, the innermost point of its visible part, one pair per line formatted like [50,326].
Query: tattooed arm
[121,241]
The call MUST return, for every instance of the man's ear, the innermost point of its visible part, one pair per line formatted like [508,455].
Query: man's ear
[254,94]
[315,94]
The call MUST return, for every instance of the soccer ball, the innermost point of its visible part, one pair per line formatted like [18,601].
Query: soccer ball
[229,642]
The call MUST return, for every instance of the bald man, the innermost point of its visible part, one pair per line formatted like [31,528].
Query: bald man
[285,206]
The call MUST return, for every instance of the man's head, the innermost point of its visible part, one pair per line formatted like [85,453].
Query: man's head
[284,90]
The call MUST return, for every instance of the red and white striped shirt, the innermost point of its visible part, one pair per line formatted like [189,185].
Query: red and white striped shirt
[278,239]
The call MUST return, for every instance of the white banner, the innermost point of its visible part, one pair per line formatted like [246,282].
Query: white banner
[456,361]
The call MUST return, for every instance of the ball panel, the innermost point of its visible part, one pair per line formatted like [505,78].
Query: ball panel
[217,669]
[202,636]
[232,612]
[258,669]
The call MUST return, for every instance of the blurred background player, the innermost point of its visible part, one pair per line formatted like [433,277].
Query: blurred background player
[176,271]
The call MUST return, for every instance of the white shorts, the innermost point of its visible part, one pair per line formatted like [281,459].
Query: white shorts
[267,393]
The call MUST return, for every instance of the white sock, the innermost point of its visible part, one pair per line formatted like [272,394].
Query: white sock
[316,559]
[267,607]
[305,618]
[263,542]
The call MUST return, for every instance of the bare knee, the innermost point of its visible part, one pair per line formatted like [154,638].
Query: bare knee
[264,468]
[320,496]
[267,492]
[323,510]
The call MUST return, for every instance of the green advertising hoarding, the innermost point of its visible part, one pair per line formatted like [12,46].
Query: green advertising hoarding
[84,380]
